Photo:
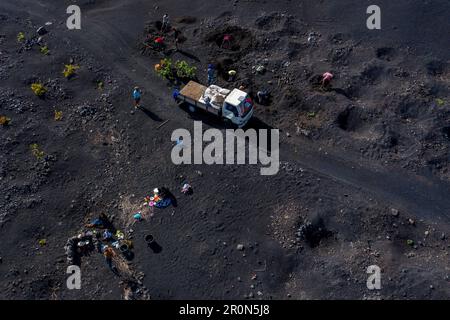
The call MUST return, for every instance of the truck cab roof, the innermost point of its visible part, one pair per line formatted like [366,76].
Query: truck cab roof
[236,97]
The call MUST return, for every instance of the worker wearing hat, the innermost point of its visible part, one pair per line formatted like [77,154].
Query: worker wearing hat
[137,97]
[232,75]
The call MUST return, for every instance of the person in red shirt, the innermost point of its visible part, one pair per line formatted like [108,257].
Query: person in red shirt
[159,43]
[226,41]
[326,79]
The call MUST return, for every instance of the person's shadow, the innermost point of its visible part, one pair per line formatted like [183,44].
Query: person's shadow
[184,53]
[151,114]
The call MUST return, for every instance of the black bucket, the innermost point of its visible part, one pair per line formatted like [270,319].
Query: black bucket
[149,239]
[124,248]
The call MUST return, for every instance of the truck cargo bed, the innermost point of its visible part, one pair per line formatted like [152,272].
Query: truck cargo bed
[193,91]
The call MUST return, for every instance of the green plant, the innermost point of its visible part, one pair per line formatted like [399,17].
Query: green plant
[69,70]
[165,69]
[100,85]
[4,120]
[36,151]
[440,102]
[38,89]
[20,37]
[58,115]
[311,114]
[45,50]
[184,70]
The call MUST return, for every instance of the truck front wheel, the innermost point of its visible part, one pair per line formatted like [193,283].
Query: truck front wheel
[229,124]
[186,106]
[191,108]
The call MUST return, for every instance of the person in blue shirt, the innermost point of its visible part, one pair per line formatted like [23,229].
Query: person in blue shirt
[211,74]
[137,97]
[175,94]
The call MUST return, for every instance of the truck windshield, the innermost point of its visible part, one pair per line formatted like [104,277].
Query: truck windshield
[245,107]
[231,108]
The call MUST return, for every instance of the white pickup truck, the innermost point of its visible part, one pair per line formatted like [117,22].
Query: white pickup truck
[234,105]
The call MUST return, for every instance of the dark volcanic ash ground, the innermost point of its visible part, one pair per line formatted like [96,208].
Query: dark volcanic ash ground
[364,174]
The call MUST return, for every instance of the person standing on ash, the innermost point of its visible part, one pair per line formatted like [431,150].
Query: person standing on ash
[165,23]
[137,94]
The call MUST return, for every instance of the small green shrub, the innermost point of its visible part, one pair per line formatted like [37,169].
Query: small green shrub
[180,69]
[38,89]
[69,70]
[20,37]
[311,114]
[184,70]
[58,115]
[36,151]
[165,69]
[45,50]
[440,102]
[4,120]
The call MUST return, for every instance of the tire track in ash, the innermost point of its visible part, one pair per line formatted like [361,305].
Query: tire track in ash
[426,197]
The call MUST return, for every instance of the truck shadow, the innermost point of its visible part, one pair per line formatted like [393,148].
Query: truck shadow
[217,123]
[258,124]
[205,117]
